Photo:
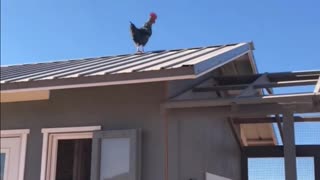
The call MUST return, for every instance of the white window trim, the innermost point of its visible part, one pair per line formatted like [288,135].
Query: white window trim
[50,143]
[22,134]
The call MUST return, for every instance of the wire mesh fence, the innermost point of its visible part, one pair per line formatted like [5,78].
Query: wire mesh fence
[273,168]
[306,133]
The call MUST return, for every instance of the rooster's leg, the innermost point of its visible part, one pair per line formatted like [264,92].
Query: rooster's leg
[142,49]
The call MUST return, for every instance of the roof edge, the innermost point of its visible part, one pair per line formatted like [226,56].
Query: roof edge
[95,81]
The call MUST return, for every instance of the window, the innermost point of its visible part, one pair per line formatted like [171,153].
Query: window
[12,155]
[81,153]
[3,163]
[116,155]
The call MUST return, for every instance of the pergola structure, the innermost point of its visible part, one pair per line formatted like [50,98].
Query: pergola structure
[249,99]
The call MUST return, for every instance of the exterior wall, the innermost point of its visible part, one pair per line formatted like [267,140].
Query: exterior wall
[198,142]
[202,143]
[113,107]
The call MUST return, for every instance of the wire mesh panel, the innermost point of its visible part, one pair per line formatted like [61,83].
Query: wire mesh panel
[305,168]
[266,168]
[306,133]
[273,168]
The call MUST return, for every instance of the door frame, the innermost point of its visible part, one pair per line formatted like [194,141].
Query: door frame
[22,134]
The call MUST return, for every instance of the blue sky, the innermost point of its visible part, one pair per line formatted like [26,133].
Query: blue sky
[286,33]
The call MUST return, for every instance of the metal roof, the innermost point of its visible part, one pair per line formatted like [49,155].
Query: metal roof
[172,64]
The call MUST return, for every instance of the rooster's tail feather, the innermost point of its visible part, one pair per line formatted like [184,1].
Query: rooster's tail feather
[133,28]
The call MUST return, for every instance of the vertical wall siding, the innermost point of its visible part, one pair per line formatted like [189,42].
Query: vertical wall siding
[202,143]
[198,142]
[113,107]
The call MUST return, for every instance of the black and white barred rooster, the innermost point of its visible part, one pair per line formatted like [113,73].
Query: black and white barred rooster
[141,35]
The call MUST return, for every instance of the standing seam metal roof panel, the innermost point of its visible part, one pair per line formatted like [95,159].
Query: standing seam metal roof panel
[201,59]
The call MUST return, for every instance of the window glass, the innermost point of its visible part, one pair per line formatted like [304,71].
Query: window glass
[74,159]
[2,160]
[115,158]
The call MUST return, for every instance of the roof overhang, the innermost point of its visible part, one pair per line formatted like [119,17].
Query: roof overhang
[186,71]
[103,80]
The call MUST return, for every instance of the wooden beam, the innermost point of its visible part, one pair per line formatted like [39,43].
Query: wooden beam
[294,76]
[250,90]
[277,117]
[221,88]
[290,98]
[244,167]
[273,77]
[256,120]
[289,147]
[317,87]
[269,90]
[286,83]
[257,86]
[277,151]
[188,88]
[243,136]
[254,110]
[235,133]
[260,142]
[317,167]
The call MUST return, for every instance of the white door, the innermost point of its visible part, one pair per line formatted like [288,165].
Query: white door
[10,153]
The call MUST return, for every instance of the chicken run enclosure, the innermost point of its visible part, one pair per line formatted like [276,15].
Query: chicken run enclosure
[279,157]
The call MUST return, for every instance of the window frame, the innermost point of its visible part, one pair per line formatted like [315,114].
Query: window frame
[22,134]
[135,151]
[51,136]
[6,152]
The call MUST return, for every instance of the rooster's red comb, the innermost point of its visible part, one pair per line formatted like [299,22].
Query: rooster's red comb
[153,15]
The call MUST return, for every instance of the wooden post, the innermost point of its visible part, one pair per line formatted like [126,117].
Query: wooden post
[317,167]
[244,167]
[289,147]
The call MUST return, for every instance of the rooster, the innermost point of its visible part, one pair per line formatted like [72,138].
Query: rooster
[141,36]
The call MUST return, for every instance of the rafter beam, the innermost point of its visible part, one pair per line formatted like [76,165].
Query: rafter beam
[250,90]
[277,151]
[259,85]
[221,88]
[235,133]
[260,142]
[251,110]
[273,77]
[289,98]
[273,120]
[286,83]
[317,87]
